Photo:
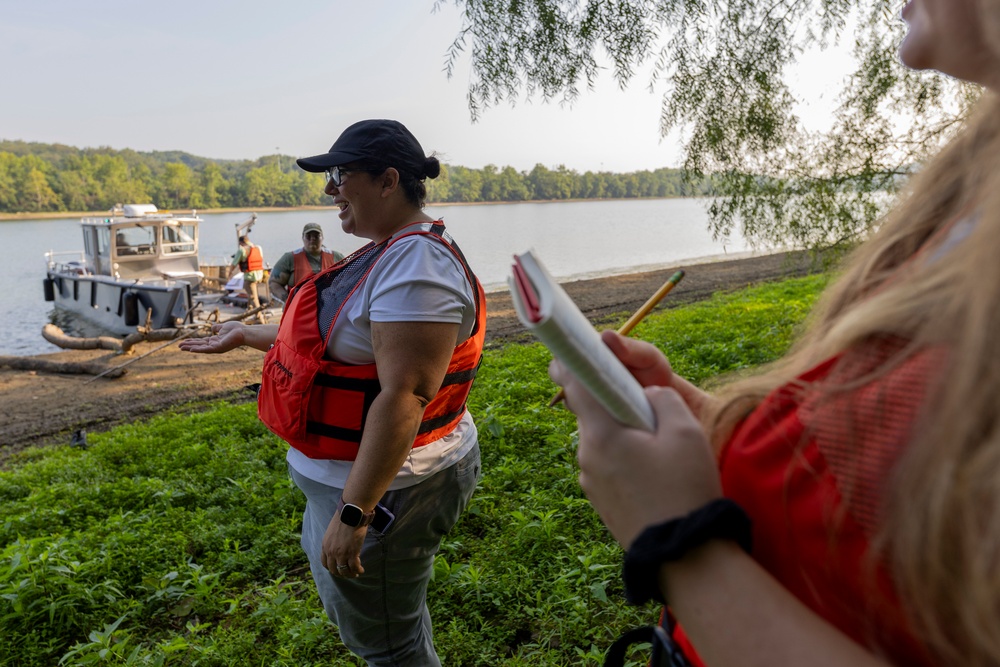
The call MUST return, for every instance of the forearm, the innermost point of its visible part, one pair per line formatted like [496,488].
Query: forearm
[278,290]
[260,336]
[735,613]
[390,430]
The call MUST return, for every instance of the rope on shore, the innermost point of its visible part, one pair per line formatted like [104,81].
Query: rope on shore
[120,369]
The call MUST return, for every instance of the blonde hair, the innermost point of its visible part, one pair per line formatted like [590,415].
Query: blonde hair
[939,532]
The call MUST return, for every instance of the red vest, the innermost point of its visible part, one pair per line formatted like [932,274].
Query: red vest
[302,269]
[254,260]
[320,406]
[789,464]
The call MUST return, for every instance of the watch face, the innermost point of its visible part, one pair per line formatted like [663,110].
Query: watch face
[351,515]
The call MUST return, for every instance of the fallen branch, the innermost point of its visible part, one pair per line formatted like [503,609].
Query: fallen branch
[61,367]
[150,336]
[58,337]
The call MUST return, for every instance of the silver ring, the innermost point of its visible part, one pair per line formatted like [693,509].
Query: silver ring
[343,567]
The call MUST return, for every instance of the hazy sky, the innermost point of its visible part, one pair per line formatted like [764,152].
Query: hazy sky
[237,80]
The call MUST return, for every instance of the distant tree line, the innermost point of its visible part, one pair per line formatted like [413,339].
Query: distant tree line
[52,177]
[493,184]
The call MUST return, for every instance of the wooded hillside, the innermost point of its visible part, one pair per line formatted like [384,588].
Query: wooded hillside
[37,177]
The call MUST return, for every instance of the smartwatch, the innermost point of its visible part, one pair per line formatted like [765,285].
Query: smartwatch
[354,516]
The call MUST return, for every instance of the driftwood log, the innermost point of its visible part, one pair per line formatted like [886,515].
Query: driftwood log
[58,337]
[64,367]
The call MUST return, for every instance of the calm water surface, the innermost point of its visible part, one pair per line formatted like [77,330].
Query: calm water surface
[574,239]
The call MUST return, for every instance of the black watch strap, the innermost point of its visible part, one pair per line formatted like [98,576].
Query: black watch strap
[721,519]
[354,516]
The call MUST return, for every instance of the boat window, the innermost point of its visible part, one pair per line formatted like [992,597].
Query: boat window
[178,238]
[135,241]
[103,241]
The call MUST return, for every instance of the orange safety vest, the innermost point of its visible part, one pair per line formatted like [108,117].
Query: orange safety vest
[302,269]
[787,465]
[320,406]
[254,261]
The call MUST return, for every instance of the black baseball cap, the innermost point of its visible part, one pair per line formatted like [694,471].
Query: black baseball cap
[387,142]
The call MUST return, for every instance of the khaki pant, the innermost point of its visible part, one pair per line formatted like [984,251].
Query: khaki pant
[253,300]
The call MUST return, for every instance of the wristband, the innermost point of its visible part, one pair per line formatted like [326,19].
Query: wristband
[672,540]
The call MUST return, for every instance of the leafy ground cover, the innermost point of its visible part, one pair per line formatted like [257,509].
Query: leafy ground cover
[174,541]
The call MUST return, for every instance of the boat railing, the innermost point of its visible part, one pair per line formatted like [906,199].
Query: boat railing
[70,261]
[152,216]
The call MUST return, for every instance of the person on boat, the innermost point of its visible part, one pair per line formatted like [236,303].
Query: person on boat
[866,465]
[297,265]
[122,246]
[366,377]
[249,258]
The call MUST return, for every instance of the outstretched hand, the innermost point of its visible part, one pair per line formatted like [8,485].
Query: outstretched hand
[225,337]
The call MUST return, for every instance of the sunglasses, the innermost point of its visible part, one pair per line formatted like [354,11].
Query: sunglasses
[335,175]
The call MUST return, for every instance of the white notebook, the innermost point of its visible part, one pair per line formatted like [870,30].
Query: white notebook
[547,311]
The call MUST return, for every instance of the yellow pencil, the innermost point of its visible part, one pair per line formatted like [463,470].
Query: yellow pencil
[636,318]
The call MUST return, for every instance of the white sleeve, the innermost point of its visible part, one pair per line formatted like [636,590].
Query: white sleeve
[420,280]
[417,279]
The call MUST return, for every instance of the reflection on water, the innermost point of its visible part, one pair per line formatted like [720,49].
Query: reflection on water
[73,326]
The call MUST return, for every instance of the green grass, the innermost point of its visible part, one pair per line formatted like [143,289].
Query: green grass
[175,541]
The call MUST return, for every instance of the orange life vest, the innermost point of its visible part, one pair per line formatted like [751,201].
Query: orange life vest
[302,269]
[320,406]
[788,464]
[254,261]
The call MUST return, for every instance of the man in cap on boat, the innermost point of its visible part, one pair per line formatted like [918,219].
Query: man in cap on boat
[297,265]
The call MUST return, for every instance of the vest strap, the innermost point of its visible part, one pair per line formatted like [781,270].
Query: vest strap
[372,386]
[337,432]
[461,377]
[438,422]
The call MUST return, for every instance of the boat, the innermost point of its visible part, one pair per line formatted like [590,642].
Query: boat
[139,268]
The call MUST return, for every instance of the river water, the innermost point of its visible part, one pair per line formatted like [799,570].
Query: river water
[574,239]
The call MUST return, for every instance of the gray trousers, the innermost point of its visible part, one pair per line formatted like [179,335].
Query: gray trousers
[382,615]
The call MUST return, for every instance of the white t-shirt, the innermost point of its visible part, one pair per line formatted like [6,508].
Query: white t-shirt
[416,279]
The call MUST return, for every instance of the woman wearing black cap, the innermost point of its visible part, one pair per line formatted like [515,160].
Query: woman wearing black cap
[366,378]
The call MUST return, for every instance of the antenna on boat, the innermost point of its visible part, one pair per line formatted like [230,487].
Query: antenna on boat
[243,228]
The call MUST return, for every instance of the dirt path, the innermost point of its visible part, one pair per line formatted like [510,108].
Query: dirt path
[44,409]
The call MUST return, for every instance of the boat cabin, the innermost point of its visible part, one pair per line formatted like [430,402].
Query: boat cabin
[138,242]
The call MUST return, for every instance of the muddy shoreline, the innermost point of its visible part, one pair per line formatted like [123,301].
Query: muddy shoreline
[45,409]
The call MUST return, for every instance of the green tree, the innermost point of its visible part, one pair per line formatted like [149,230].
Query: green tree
[31,185]
[36,193]
[466,185]
[268,186]
[8,188]
[512,185]
[439,189]
[490,190]
[118,186]
[721,65]
[210,186]
[176,186]
[307,189]
[548,184]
